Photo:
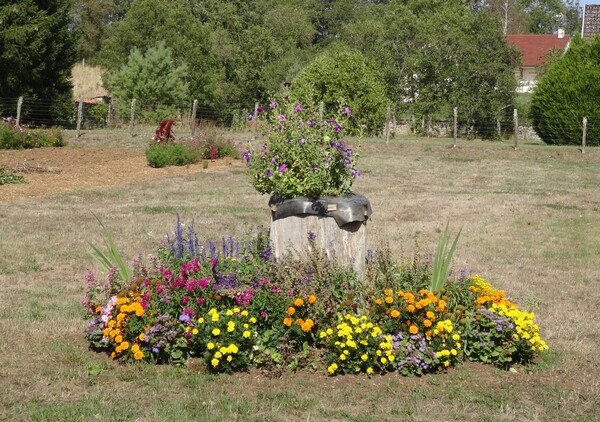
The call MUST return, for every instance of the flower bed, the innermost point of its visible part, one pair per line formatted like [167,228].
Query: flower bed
[233,307]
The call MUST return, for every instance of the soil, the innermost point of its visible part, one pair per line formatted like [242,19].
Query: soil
[54,170]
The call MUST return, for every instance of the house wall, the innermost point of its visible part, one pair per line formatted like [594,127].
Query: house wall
[527,78]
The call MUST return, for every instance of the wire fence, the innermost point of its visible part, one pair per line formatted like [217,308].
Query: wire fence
[100,113]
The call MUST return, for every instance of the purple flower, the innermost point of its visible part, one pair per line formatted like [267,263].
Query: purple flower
[338,128]
[273,160]
[311,123]
[334,144]
[287,84]
[273,104]
[268,173]
[260,109]
[263,314]
[302,141]
[246,156]
[282,168]
[184,318]
[355,173]
[311,235]
[282,117]
[298,108]
[347,112]
[249,116]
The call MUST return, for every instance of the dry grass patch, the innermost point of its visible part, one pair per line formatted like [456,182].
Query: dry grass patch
[530,225]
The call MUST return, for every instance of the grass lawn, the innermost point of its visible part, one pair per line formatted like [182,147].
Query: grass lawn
[530,223]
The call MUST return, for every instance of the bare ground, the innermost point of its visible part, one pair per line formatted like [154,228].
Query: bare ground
[54,170]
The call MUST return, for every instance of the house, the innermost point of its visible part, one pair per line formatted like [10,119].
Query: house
[591,21]
[534,49]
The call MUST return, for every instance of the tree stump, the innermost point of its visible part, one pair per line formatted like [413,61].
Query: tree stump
[335,225]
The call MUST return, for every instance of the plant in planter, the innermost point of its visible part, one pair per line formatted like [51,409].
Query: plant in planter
[308,169]
[302,155]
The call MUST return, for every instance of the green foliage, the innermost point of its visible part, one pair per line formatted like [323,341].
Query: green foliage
[159,87]
[13,137]
[440,268]
[170,154]
[98,113]
[111,258]
[37,51]
[7,177]
[567,93]
[345,77]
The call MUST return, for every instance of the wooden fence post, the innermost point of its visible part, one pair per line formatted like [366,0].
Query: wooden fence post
[387,124]
[19,105]
[132,118]
[321,109]
[516,119]
[254,121]
[193,116]
[79,116]
[584,135]
[455,134]
[109,113]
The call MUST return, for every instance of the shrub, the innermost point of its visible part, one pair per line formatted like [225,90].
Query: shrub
[567,93]
[162,155]
[20,137]
[349,78]
[7,177]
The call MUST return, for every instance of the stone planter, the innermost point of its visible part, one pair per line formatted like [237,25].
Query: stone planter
[337,225]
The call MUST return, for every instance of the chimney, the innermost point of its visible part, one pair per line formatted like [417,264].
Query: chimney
[561,33]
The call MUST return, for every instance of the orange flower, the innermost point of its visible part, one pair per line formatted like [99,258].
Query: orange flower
[139,355]
[413,329]
[291,311]
[395,313]
[300,321]
[389,299]
[378,301]
[287,321]
[387,292]
[298,302]
[410,308]
[400,293]
[98,309]
[428,334]
[427,323]
[430,315]
[308,324]
[312,299]
[423,292]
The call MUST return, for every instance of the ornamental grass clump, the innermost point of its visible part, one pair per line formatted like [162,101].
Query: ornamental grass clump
[302,155]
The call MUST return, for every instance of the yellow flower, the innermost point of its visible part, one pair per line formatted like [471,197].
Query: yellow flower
[332,368]
[215,317]
[119,338]
[142,337]
[410,308]
[135,348]
[244,313]
[229,312]
[218,355]
[236,310]
[364,357]
[389,299]
[200,320]
[387,292]
[230,326]
[322,334]
[106,332]
[298,302]
[210,346]
[246,334]
[253,320]
[216,331]
[384,360]
[312,299]
[139,355]
[369,370]
[229,358]
[214,362]
[195,331]
[112,323]
[455,337]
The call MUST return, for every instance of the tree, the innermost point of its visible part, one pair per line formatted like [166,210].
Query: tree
[344,78]
[567,93]
[153,80]
[37,52]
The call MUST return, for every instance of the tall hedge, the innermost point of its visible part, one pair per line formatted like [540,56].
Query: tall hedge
[568,92]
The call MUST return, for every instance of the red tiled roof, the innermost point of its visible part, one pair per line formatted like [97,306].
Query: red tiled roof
[535,46]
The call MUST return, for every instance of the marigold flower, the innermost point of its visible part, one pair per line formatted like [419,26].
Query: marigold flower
[364,357]
[195,331]
[369,370]
[215,362]
[229,358]
[427,323]
[119,338]
[378,301]
[387,292]
[139,355]
[142,337]
[395,313]
[246,334]
[216,331]
[210,346]
[112,323]
[308,324]
[332,368]
[389,299]
[291,311]
[106,332]
[430,315]
[413,329]
[300,321]
[312,299]
[287,321]
[135,348]
[410,308]
[298,302]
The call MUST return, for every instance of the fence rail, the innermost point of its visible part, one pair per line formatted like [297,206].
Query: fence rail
[90,115]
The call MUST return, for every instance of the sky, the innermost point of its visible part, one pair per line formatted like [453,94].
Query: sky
[584,2]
